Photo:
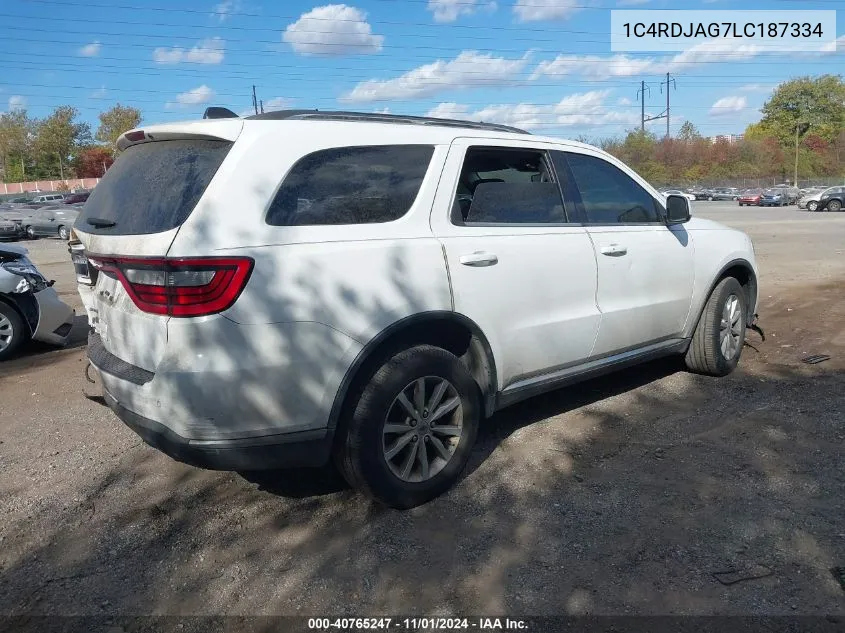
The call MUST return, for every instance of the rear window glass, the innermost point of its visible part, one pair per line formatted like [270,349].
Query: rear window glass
[351,185]
[152,187]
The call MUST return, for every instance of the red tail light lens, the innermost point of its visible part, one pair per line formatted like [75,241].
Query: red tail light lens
[183,287]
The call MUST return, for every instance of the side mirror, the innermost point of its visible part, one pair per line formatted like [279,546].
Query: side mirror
[677,209]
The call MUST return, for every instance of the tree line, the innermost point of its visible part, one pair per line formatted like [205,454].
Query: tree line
[59,146]
[807,111]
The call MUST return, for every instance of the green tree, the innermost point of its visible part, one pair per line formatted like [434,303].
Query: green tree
[56,140]
[818,102]
[688,132]
[15,134]
[115,122]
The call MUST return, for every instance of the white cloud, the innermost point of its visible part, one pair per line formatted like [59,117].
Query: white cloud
[90,50]
[225,9]
[99,93]
[631,3]
[594,66]
[278,103]
[207,51]
[584,110]
[622,65]
[729,105]
[537,10]
[624,101]
[197,96]
[449,110]
[335,29]
[837,46]
[384,110]
[468,69]
[17,102]
[451,10]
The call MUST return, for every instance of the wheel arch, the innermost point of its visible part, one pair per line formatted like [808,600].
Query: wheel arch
[26,307]
[742,271]
[452,331]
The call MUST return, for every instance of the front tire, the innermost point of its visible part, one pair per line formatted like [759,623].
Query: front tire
[410,434]
[13,331]
[64,234]
[30,233]
[812,205]
[720,335]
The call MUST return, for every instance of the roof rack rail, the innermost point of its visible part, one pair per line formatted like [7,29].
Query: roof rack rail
[380,118]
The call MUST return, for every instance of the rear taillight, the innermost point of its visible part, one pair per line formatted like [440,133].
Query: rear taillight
[179,287]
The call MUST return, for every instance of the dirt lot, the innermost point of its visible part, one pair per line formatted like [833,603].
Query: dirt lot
[622,495]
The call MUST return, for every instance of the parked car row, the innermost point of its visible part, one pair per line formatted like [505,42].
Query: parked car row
[18,221]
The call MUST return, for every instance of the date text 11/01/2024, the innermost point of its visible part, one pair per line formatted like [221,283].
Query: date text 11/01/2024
[417,624]
[724,29]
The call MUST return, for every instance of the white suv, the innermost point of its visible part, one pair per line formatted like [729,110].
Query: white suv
[277,290]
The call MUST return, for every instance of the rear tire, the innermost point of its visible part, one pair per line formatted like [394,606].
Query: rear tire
[719,337]
[13,331]
[387,464]
[64,234]
[834,206]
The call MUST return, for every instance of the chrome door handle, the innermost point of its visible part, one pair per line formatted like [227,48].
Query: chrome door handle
[479,258]
[614,250]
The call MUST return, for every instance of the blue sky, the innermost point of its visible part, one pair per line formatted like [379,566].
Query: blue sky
[541,64]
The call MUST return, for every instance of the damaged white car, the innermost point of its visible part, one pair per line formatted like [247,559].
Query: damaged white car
[30,309]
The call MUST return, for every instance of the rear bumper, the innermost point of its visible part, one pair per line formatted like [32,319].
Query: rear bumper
[289,450]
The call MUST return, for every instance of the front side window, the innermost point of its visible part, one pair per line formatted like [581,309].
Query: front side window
[507,186]
[608,194]
[351,185]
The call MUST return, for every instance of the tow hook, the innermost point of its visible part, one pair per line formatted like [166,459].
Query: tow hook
[752,325]
[95,393]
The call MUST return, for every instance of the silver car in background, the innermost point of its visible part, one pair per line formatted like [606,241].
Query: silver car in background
[810,199]
[30,309]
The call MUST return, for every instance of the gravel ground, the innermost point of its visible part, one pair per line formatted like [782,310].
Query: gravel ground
[623,495]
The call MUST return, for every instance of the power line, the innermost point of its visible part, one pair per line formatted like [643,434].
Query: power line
[333,100]
[343,45]
[222,27]
[87,65]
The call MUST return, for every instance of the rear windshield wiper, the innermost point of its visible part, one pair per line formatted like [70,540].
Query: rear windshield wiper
[100,223]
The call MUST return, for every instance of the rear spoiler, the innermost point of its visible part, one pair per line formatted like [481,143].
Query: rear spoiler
[216,112]
[212,129]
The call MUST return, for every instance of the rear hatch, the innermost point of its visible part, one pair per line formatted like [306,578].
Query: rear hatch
[128,225]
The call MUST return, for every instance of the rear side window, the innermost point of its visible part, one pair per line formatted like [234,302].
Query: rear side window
[152,187]
[351,185]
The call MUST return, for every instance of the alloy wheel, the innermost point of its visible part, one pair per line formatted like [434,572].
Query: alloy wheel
[422,429]
[730,329]
[7,333]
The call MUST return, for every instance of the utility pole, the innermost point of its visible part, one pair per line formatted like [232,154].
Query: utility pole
[262,106]
[667,82]
[641,96]
[61,169]
[254,100]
